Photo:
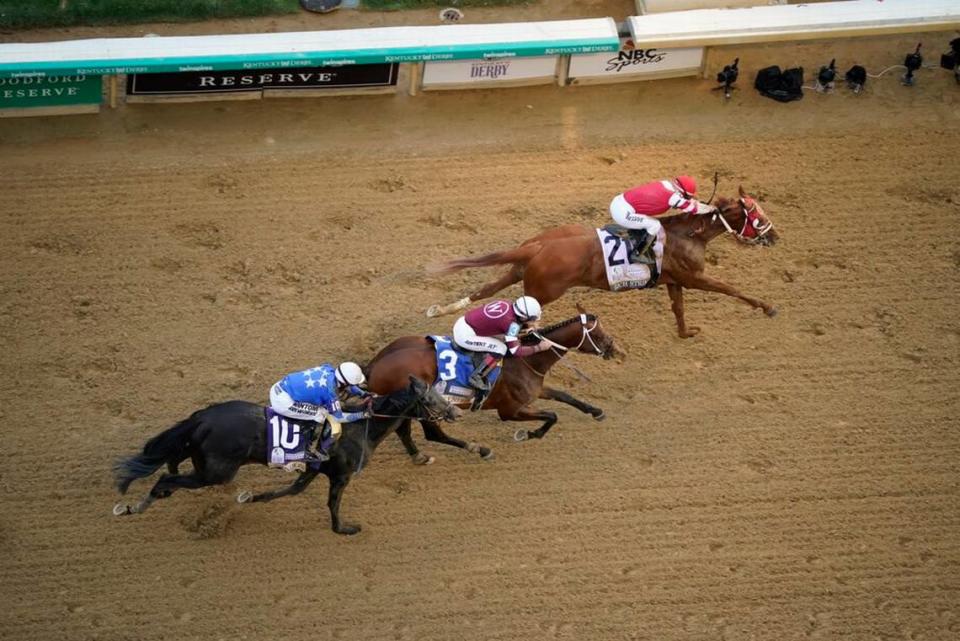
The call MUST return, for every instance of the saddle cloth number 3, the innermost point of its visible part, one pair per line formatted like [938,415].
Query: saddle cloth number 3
[448,358]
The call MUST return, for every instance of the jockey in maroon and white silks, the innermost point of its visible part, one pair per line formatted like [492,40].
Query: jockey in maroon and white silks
[481,329]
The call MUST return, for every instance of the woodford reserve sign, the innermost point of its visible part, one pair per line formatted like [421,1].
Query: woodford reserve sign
[219,82]
[67,94]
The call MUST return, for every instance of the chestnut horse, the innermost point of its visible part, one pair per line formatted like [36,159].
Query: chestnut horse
[521,381]
[570,256]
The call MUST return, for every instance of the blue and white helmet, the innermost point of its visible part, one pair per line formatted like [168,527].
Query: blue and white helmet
[527,308]
[349,373]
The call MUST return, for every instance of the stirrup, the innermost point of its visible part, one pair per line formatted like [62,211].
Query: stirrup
[654,277]
[479,382]
[479,397]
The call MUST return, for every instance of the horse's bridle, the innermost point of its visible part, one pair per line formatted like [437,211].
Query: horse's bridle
[761,231]
[556,347]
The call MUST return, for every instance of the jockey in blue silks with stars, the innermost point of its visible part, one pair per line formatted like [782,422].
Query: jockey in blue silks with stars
[314,395]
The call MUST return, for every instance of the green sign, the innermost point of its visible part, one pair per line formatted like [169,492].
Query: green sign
[50,91]
[253,61]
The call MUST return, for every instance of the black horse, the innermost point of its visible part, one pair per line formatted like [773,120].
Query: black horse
[223,437]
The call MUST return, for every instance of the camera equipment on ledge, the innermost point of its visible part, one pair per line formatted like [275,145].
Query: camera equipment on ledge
[951,61]
[856,78]
[728,76]
[826,77]
[912,62]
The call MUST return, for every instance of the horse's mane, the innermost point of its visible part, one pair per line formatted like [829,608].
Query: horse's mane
[393,402]
[529,339]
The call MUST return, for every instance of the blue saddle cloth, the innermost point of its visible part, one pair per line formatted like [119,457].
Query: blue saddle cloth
[454,366]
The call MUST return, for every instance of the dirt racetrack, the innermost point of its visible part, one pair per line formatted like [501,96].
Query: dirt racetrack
[785,478]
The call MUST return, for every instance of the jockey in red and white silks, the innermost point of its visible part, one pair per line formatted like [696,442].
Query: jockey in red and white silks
[638,208]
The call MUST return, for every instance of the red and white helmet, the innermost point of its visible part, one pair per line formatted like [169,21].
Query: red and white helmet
[687,184]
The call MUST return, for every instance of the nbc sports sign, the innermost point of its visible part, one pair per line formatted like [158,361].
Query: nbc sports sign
[635,62]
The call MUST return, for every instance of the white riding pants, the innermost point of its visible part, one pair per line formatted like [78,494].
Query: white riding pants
[466,337]
[624,214]
[283,404]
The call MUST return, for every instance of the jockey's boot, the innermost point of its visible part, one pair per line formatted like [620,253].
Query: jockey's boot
[320,440]
[642,250]
[478,380]
[640,245]
[654,276]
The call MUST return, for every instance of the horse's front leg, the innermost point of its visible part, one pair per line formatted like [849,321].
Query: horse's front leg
[676,303]
[531,414]
[435,433]
[338,483]
[299,485]
[550,394]
[418,457]
[707,284]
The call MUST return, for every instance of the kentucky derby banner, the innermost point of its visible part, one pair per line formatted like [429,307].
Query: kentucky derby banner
[212,82]
[489,72]
[633,62]
[51,92]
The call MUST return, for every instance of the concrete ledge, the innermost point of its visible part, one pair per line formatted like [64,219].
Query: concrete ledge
[794,22]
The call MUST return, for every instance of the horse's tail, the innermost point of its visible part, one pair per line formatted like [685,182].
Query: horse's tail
[168,445]
[519,256]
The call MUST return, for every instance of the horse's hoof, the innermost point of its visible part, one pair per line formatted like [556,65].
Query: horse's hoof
[521,435]
[348,530]
[690,333]
[422,459]
[599,417]
[771,312]
[245,497]
[487,454]
[121,509]
[433,311]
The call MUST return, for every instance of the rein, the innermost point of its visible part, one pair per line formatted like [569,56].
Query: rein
[431,416]
[556,347]
[366,429]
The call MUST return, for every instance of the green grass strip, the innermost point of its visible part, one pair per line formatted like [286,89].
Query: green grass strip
[36,14]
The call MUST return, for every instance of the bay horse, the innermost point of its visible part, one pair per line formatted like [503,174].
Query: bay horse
[571,256]
[521,381]
[223,437]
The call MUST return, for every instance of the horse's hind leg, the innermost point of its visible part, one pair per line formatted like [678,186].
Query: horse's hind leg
[163,488]
[434,433]
[206,472]
[512,276]
[550,394]
[299,485]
